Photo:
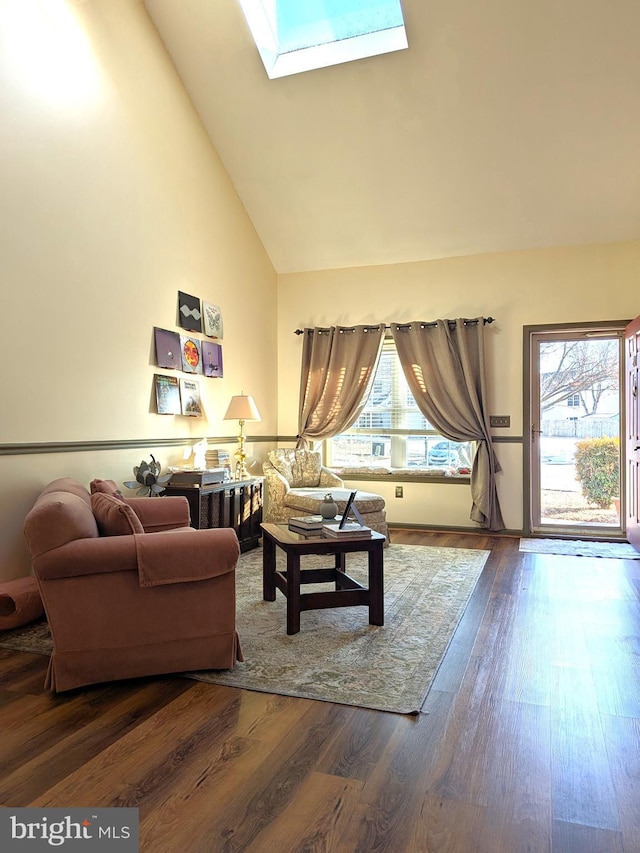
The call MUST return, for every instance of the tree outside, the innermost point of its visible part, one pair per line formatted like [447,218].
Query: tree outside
[586,369]
[579,400]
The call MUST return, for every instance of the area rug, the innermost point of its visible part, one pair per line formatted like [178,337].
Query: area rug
[337,656]
[580,548]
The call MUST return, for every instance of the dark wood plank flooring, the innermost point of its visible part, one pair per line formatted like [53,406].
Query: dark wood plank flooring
[530,740]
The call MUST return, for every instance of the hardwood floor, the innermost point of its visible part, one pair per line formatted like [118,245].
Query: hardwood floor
[530,740]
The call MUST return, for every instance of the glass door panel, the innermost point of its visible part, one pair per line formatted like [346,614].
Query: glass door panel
[575,447]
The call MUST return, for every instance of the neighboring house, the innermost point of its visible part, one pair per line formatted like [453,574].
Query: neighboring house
[571,419]
[606,407]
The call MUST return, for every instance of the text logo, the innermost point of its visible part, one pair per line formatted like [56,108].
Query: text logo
[100,829]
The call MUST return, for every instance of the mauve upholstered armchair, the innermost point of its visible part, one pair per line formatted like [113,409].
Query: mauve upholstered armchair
[129,588]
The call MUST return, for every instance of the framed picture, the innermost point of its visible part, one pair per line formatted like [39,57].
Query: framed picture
[211,359]
[189,316]
[167,394]
[212,317]
[191,354]
[168,350]
[190,398]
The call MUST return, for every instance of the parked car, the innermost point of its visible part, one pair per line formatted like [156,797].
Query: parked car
[439,454]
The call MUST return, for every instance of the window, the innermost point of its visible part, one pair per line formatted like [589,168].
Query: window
[392,432]
[574,400]
[294,36]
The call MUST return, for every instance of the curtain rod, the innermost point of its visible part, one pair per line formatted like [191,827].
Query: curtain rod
[486,321]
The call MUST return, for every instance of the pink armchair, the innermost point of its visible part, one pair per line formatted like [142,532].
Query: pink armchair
[129,588]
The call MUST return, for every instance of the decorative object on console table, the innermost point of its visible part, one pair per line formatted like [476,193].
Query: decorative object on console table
[237,505]
[195,477]
[147,478]
[242,408]
[199,451]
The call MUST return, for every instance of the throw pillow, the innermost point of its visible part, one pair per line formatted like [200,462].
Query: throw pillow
[305,470]
[113,516]
[107,487]
[300,468]
[281,461]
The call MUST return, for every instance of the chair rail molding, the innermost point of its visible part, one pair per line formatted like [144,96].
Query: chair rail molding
[28,448]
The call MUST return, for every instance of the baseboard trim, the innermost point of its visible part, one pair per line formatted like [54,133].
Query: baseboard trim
[443,528]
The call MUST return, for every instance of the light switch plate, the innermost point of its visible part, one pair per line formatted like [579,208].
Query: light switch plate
[500,420]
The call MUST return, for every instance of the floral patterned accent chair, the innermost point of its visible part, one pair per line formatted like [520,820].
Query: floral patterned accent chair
[296,483]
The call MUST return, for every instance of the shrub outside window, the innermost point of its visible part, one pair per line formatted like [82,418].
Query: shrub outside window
[392,432]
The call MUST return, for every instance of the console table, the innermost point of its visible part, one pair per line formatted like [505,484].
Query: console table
[236,504]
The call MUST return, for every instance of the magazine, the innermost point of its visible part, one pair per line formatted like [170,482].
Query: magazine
[190,397]
[167,394]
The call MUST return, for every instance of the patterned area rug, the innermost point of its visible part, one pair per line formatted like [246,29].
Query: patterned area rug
[338,656]
[580,548]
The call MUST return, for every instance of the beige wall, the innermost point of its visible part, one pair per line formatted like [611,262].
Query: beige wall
[586,283]
[113,199]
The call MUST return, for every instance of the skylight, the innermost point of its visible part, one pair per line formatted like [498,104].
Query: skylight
[294,36]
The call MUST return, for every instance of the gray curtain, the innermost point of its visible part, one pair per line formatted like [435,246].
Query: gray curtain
[444,366]
[338,368]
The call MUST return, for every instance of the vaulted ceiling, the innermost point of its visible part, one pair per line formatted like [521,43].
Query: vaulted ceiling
[505,125]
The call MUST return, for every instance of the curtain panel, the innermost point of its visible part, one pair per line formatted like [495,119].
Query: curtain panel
[445,370]
[338,368]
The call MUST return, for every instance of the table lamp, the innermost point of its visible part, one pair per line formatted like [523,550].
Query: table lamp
[242,408]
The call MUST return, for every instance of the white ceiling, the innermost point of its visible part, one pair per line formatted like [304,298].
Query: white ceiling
[507,124]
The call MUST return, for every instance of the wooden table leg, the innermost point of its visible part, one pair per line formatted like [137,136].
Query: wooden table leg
[340,567]
[268,568]
[376,586]
[293,593]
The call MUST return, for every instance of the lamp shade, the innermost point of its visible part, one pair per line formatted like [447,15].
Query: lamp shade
[242,408]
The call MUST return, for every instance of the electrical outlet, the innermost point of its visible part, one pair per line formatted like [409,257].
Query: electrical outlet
[500,420]
[399,492]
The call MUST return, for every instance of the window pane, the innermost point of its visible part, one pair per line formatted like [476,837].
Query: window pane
[380,436]
[350,450]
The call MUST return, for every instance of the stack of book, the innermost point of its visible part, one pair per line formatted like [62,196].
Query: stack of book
[217,458]
[349,530]
[306,524]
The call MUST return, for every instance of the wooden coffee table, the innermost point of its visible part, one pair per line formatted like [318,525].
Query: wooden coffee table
[347,593]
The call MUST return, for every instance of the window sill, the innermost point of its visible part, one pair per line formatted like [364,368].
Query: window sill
[419,475]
